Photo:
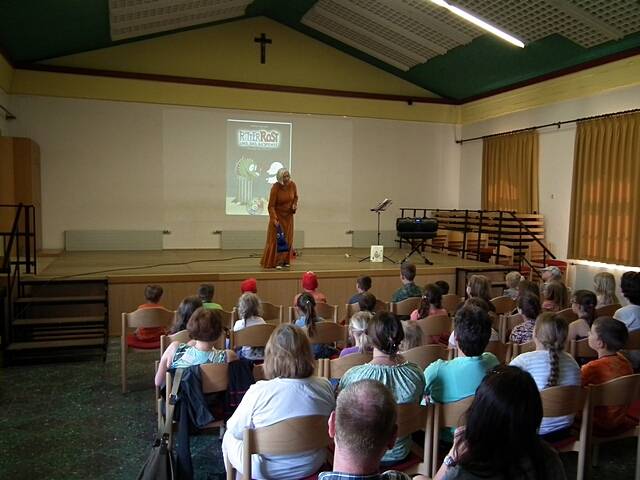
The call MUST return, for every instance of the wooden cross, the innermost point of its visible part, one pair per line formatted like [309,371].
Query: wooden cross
[263,41]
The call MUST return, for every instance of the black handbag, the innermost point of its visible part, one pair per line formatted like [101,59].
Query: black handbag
[161,463]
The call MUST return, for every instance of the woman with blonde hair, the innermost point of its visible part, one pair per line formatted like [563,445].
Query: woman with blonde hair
[358,332]
[249,311]
[604,285]
[290,391]
[413,336]
[549,364]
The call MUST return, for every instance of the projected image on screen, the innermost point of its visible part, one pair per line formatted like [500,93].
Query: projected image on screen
[255,152]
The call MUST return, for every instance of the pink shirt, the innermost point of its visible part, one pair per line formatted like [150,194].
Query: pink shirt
[432,311]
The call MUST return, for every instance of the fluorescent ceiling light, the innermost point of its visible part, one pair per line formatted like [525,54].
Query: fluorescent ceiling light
[480,23]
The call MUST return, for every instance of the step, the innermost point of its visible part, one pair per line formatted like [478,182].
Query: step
[60,300]
[43,281]
[83,342]
[48,337]
[34,322]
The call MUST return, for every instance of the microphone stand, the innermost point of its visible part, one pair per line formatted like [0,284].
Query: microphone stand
[379,209]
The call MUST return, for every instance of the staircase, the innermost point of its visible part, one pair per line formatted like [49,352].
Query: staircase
[58,319]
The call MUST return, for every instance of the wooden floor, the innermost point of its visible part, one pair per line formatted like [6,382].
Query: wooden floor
[180,272]
[240,262]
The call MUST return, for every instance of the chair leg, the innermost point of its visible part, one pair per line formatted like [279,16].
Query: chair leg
[123,362]
[637,477]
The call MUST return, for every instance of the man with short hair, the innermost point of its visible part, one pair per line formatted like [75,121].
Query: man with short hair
[363,427]
[408,289]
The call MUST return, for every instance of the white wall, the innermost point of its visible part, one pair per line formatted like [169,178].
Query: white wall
[556,155]
[112,165]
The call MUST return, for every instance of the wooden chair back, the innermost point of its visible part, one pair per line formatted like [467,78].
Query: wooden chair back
[413,418]
[424,355]
[581,349]
[323,310]
[568,314]
[405,307]
[472,241]
[329,332]
[337,367]
[501,350]
[435,325]
[287,437]
[451,302]
[518,348]
[352,308]
[503,304]
[455,241]
[607,310]
[165,340]
[506,255]
[228,317]
[258,372]
[446,415]
[273,314]
[141,318]
[507,324]
[633,342]
[253,336]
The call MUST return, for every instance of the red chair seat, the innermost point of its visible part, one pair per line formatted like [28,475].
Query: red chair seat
[135,342]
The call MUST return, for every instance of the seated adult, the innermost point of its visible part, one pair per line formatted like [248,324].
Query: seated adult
[363,426]
[310,286]
[630,314]
[290,391]
[500,440]
[363,284]
[448,381]
[249,313]
[404,379]
[430,303]
[186,308]
[205,327]
[205,292]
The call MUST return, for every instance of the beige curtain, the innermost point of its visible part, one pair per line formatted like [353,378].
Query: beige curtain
[605,198]
[510,172]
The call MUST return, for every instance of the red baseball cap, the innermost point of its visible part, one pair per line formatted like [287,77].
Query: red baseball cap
[249,285]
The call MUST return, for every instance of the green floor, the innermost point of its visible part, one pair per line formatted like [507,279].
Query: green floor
[70,421]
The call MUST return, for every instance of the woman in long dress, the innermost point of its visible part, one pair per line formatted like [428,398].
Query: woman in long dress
[283,202]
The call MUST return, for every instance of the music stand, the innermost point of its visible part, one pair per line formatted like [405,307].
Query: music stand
[381,207]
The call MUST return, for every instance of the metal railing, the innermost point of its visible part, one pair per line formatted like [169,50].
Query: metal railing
[18,252]
[486,220]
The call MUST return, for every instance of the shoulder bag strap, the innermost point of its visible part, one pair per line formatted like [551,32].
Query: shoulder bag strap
[173,397]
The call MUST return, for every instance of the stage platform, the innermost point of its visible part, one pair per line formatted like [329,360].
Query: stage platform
[180,272]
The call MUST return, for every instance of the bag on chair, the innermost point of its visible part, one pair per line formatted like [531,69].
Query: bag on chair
[161,463]
[281,241]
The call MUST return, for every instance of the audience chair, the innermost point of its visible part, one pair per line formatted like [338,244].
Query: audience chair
[272,314]
[519,348]
[141,318]
[621,391]
[253,336]
[568,314]
[434,325]
[424,355]
[288,437]
[215,379]
[165,340]
[329,332]
[337,367]
[412,419]
[258,372]
[506,256]
[229,318]
[633,342]
[503,304]
[451,302]
[607,310]
[568,400]
[501,350]
[352,308]
[445,415]
[405,307]
[471,247]
[581,349]
[455,241]
[507,324]
[323,310]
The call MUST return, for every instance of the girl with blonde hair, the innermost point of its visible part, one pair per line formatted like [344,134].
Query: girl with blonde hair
[555,296]
[249,311]
[549,364]
[358,331]
[604,285]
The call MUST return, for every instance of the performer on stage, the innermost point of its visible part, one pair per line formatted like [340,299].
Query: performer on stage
[283,202]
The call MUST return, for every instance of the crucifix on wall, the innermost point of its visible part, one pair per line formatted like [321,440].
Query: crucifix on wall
[263,41]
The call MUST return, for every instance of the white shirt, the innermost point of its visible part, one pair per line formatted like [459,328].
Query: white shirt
[270,401]
[630,316]
[250,352]
[538,365]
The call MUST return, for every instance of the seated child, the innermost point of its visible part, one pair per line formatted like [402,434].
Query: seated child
[186,308]
[205,327]
[367,302]
[453,380]
[306,308]
[363,284]
[249,313]
[604,285]
[607,337]
[250,285]
[630,314]
[554,296]
[205,292]
[512,279]
[430,303]
[550,365]
[443,286]
[480,303]
[150,335]
[529,309]
[310,287]
[583,304]
[408,289]
[413,336]
[358,332]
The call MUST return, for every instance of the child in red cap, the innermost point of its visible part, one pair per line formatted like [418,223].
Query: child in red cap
[250,285]
[310,286]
